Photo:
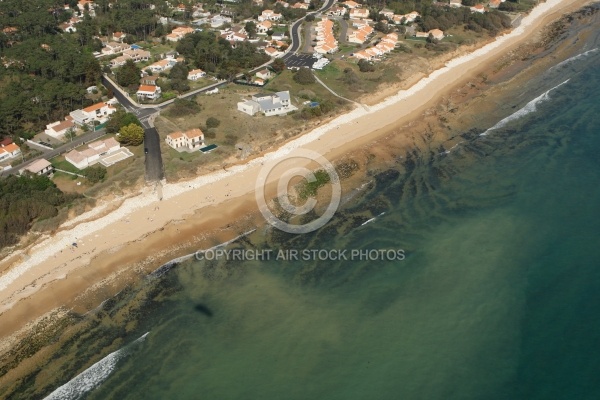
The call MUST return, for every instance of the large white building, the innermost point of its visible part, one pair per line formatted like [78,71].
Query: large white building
[98,112]
[270,104]
[189,141]
[90,156]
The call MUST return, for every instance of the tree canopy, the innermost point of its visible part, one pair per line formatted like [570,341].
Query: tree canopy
[119,119]
[131,135]
[25,200]
[214,54]
[304,76]
[128,74]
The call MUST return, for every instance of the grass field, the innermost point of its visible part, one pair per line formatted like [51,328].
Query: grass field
[255,132]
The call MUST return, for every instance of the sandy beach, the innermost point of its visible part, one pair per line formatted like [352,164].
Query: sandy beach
[53,272]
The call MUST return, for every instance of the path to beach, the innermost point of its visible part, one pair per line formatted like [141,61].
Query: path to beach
[55,258]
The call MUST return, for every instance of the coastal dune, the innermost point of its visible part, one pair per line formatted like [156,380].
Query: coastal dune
[54,258]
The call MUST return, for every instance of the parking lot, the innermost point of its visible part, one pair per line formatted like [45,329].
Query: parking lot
[299,60]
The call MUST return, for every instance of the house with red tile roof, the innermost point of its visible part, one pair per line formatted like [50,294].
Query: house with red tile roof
[179,33]
[189,141]
[326,42]
[9,151]
[196,74]
[96,113]
[478,8]
[148,92]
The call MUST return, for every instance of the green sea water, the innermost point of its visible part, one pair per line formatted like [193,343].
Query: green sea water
[498,296]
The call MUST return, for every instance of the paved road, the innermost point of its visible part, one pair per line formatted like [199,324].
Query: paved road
[78,141]
[154,165]
[343,31]
[153,161]
[141,113]
[297,26]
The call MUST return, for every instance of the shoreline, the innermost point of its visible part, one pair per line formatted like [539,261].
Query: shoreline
[53,260]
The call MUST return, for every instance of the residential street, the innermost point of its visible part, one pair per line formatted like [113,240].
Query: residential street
[78,141]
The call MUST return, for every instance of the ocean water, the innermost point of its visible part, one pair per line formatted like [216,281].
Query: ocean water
[498,296]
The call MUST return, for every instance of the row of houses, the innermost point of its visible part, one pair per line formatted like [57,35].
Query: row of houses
[136,55]
[399,19]
[478,8]
[326,42]
[385,45]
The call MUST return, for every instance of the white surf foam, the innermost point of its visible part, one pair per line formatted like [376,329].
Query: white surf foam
[174,262]
[89,379]
[573,59]
[372,219]
[529,108]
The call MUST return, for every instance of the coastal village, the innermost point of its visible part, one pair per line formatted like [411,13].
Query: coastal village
[213,81]
[345,31]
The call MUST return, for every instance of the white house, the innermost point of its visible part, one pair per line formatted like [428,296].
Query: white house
[39,167]
[58,129]
[273,52]
[118,61]
[9,151]
[351,4]
[436,34]
[114,48]
[196,74]
[337,11]
[118,36]
[478,8]
[161,65]
[269,15]
[264,74]
[137,55]
[263,27]
[269,104]
[411,16]
[148,92]
[90,156]
[189,141]
[179,32]
[98,112]
[359,13]
[219,20]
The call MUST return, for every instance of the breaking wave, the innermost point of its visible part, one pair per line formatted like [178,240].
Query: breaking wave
[89,379]
[527,109]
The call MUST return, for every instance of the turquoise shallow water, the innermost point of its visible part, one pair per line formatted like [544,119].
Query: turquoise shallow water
[497,298]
